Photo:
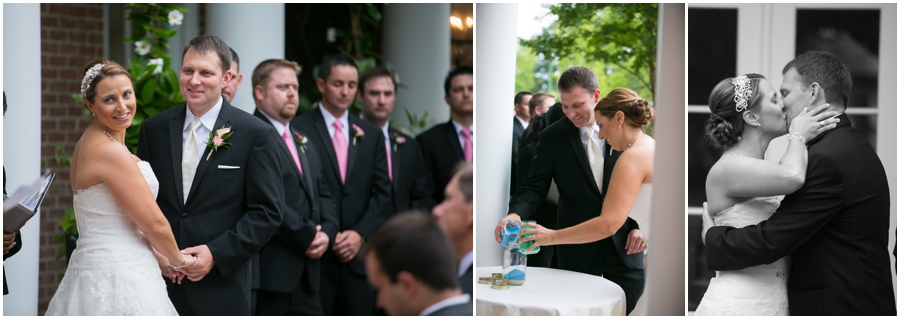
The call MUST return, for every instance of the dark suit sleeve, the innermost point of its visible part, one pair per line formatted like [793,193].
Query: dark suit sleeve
[535,188]
[296,231]
[423,186]
[801,215]
[328,211]
[264,197]
[428,160]
[380,194]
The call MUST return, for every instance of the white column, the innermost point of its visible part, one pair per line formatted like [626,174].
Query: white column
[255,32]
[665,275]
[22,143]
[496,41]
[417,43]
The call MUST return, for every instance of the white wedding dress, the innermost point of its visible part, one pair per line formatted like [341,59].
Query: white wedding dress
[758,290]
[113,270]
[640,212]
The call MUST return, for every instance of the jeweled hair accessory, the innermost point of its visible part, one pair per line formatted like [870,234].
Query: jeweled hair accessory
[89,77]
[742,92]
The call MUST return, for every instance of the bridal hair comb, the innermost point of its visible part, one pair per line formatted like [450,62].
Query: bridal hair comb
[742,92]
[89,77]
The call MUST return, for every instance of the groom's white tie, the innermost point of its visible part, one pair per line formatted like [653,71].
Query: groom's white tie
[595,158]
[190,158]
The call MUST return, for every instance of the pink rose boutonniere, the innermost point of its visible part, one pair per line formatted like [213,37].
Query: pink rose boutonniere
[397,139]
[301,141]
[358,134]
[217,139]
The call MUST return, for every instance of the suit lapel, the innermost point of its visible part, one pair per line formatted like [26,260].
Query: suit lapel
[352,148]
[176,128]
[576,144]
[453,138]
[305,178]
[395,161]
[223,119]
[325,139]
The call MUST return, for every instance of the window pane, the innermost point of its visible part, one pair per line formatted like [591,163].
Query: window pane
[701,158]
[712,50]
[852,36]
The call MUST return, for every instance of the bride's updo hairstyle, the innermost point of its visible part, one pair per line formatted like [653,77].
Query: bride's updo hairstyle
[636,109]
[93,74]
[725,125]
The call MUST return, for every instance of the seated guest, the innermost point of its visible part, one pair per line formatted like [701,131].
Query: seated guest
[455,216]
[410,263]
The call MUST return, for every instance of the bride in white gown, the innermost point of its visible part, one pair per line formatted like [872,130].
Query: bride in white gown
[744,189]
[115,269]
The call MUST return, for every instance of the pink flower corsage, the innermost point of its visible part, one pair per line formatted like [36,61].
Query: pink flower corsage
[301,141]
[217,139]
[397,139]
[358,133]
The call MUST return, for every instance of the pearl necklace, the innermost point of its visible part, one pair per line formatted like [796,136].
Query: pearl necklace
[634,139]
[111,137]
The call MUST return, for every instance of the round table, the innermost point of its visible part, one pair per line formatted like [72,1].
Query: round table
[550,292]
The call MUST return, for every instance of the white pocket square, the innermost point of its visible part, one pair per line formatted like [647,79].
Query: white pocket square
[228,167]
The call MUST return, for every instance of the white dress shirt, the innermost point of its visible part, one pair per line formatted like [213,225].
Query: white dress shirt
[462,140]
[521,121]
[464,264]
[594,137]
[207,124]
[278,126]
[329,123]
[387,137]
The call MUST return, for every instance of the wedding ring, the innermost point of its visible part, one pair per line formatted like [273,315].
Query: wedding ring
[5,243]
[346,255]
[500,286]
[497,276]
[821,124]
[486,280]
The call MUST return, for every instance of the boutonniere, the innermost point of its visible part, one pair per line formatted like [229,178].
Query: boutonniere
[217,139]
[358,134]
[301,141]
[397,139]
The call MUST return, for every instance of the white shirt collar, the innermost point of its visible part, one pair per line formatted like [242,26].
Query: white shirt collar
[594,137]
[208,119]
[459,128]
[452,301]
[464,264]
[278,126]
[329,118]
[521,121]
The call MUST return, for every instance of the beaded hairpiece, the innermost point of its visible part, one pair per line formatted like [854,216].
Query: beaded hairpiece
[89,77]
[742,92]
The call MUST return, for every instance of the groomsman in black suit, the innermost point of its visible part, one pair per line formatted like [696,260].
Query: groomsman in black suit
[562,156]
[288,268]
[446,145]
[456,219]
[520,123]
[230,88]
[410,185]
[354,164]
[223,203]
[836,226]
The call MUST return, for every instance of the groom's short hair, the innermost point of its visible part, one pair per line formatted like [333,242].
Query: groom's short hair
[578,76]
[206,43]
[333,61]
[414,242]
[827,70]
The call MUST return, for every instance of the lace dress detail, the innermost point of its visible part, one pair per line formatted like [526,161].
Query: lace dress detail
[758,290]
[113,270]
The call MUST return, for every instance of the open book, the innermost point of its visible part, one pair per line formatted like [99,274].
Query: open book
[24,203]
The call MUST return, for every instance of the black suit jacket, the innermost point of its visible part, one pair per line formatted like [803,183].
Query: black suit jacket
[545,213]
[455,310]
[308,202]
[411,186]
[232,211]
[441,152]
[835,228]
[561,157]
[518,130]
[363,202]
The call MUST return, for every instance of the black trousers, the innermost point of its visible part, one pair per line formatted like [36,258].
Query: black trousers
[300,302]
[346,293]
[607,264]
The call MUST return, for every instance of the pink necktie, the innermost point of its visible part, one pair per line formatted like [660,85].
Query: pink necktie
[390,169]
[467,150]
[340,148]
[293,149]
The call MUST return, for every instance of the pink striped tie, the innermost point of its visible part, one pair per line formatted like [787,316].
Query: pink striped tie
[467,150]
[390,168]
[293,149]
[340,149]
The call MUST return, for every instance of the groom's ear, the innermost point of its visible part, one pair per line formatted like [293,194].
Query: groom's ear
[816,93]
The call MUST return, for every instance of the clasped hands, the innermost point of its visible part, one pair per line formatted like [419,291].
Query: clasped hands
[198,262]
[347,244]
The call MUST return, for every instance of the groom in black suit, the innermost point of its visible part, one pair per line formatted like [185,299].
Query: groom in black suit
[288,267]
[354,165]
[562,157]
[222,203]
[835,227]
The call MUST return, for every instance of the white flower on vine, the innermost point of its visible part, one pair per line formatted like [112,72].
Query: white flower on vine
[142,47]
[158,62]
[175,17]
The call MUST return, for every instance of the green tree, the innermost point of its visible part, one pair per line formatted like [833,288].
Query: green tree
[621,36]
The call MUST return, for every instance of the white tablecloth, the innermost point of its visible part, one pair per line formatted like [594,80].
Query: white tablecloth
[550,292]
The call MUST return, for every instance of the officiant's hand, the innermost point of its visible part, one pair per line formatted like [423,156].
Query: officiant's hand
[319,244]
[203,264]
[540,235]
[347,244]
[635,242]
[707,223]
[9,241]
[499,228]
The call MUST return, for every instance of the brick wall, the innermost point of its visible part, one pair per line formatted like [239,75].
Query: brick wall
[71,35]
